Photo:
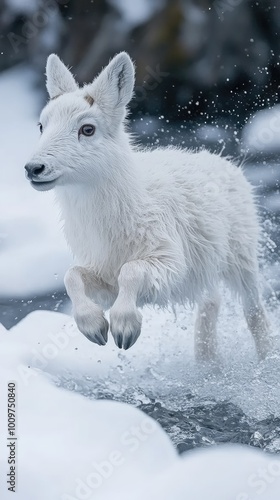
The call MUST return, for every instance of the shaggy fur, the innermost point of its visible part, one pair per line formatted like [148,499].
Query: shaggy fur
[146,227]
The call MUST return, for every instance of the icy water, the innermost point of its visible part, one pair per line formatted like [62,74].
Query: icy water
[193,421]
[197,405]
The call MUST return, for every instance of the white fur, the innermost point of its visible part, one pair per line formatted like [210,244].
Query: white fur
[163,226]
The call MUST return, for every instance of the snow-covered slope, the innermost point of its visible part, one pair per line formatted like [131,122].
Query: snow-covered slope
[72,448]
[33,254]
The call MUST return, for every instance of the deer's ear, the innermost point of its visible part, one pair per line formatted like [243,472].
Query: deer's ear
[59,79]
[113,87]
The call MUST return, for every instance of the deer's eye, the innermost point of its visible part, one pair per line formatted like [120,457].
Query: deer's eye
[87,130]
[40,127]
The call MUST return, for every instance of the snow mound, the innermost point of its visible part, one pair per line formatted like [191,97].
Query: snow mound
[72,448]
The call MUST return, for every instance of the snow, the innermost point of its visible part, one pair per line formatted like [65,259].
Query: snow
[228,472]
[33,253]
[261,134]
[63,438]
[74,448]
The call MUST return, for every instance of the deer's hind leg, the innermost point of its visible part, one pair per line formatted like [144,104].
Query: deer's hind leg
[255,314]
[205,327]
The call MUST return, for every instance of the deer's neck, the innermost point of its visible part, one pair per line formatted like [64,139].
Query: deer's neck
[100,221]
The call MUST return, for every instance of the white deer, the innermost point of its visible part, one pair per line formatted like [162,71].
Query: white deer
[160,226]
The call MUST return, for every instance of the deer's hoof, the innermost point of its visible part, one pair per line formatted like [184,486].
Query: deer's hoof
[94,328]
[125,327]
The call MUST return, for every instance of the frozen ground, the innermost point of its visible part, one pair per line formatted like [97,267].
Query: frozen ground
[62,427]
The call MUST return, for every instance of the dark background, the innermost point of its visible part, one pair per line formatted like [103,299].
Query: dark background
[195,58]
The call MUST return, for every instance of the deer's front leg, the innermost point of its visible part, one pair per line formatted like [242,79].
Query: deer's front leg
[81,284]
[136,279]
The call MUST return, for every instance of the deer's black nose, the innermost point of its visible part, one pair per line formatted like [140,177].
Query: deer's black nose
[34,169]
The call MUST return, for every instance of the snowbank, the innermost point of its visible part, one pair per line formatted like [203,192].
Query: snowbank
[261,134]
[69,445]
[33,254]
[223,473]
[73,448]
